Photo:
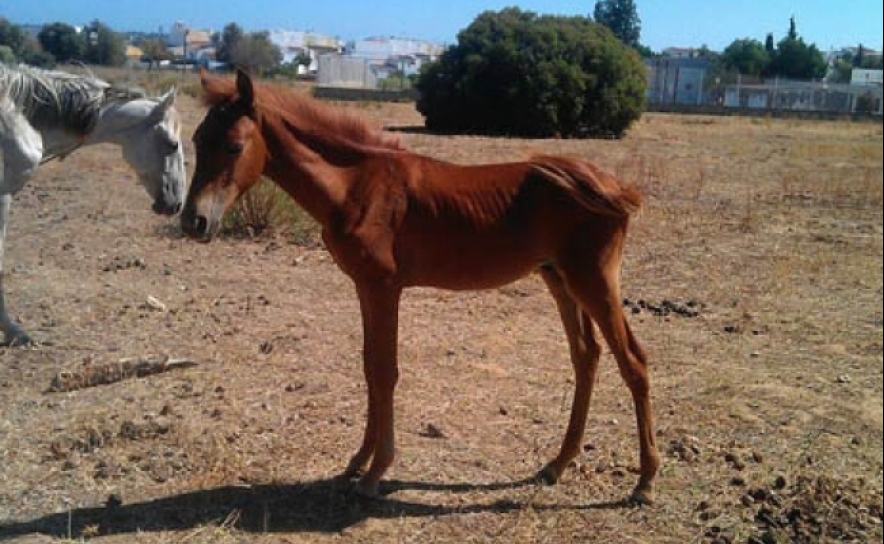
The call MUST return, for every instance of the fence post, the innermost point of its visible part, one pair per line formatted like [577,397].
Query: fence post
[739,97]
[776,85]
[700,90]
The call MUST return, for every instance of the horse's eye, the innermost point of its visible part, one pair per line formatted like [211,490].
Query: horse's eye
[235,148]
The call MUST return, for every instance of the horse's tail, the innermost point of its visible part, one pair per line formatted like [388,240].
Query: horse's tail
[592,187]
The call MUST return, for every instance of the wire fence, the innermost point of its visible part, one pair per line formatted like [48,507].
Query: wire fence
[684,87]
[672,86]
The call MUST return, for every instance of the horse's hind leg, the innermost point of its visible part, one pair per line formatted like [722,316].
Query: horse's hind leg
[585,353]
[596,287]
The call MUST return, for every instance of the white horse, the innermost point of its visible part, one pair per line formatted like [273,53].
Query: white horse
[46,115]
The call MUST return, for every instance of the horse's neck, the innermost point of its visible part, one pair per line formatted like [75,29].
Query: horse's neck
[116,122]
[305,171]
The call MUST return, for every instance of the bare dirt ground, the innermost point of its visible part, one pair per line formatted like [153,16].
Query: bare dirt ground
[753,276]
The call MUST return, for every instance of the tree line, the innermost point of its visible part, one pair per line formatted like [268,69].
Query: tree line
[790,58]
[96,43]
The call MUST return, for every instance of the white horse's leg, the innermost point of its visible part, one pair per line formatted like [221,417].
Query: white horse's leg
[12,334]
[21,149]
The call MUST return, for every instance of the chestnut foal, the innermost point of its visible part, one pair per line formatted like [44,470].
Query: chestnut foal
[392,219]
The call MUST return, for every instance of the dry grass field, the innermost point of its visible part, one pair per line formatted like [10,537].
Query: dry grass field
[753,276]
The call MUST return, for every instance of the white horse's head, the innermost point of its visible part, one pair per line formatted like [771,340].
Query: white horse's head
[149,132]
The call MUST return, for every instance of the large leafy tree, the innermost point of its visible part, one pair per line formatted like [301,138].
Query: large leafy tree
[841,69]
[103,45]
[13,37]
[621,17]
[230,37]
[19,46]
[795,59]
[154,51]
[62,41]
[256,53]
[862,60]
[746,56]
[516,72]
[6,55]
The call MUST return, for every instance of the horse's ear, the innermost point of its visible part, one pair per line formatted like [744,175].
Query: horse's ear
[245,88]
[164,103]
[168,98]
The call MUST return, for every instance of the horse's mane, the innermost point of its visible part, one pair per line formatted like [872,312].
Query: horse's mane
[305,112]
[50,98]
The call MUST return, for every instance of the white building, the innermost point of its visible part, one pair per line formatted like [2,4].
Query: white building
[382,48]
[297,43]
[196,38]
[862,76]
[387,55]
[367,63]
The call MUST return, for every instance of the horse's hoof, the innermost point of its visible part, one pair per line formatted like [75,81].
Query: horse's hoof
[642,496]
[17,338]
[548,475]
[367,489]
[354,470]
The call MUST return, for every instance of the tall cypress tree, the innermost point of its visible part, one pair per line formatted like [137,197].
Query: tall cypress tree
[621,17]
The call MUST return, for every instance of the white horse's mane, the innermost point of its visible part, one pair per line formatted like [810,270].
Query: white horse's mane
[53,99]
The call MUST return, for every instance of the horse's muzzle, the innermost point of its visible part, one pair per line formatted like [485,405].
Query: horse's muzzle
[196,226]
[164,208]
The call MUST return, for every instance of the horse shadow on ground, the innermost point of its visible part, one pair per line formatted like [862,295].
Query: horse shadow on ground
[324,506]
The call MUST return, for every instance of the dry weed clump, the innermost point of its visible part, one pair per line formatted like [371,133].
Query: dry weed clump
[266,209]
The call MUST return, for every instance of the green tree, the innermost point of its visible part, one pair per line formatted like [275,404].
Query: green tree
[795,59]
[227,42]
[621,17]
[793,32]
[873,62]
[515,72]
[38,57]
[769,45]
[62,41]
[841,71]
[866,103]
[302,59]
[860,56]
[22,47]
[7,56]
[863,60]
[13,37]
[256,53]
[103,45]
[745,56]
[153,51]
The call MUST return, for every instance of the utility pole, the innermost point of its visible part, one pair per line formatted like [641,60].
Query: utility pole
[184,50]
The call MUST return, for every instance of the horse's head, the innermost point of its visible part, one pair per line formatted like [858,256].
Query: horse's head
[152,147]
[230,154]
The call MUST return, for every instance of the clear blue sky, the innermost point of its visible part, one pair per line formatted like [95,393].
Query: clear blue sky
[664,23]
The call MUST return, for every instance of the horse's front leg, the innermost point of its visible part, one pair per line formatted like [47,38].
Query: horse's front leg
[380,315]
[20,157]
[12,334]
[359,462]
